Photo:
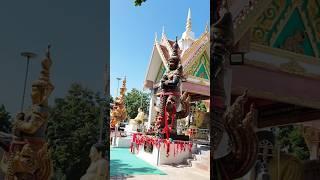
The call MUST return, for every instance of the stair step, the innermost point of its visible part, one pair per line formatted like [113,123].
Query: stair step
[201,165]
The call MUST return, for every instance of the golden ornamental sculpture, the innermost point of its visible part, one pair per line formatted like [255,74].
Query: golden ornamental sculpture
[26,151]
[119,112]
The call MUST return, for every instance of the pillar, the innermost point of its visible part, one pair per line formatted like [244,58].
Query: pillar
[151,109]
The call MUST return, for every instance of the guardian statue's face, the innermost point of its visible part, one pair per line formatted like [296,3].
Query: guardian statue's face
[173,63]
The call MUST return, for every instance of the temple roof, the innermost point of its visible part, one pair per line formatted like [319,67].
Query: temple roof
[162,50]
[194,55]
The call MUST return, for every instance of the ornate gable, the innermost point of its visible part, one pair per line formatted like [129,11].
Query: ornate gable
[292,25]
[200,67]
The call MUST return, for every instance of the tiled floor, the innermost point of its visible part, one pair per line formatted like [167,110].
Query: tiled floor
[173,173]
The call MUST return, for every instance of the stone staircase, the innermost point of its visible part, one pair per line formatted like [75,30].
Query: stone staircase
[201,158]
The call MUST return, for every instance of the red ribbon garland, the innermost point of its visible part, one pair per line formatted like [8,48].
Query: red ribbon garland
[166,129]
[138,139]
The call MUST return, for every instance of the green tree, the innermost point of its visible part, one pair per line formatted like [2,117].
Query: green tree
[73,127]
[111,99]
[135,99]
[5,123]
[291,137]
[139,2]
[201,106]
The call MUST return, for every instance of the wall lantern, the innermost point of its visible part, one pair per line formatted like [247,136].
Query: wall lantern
[236,58]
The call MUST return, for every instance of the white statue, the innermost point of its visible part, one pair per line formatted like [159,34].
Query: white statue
[98,167]
[137,121]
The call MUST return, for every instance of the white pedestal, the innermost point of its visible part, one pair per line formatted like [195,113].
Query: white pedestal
[159,156]
[131,128]
[122,142]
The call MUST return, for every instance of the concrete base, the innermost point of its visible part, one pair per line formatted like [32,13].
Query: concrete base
[159,156]
[121,142]
[131,128]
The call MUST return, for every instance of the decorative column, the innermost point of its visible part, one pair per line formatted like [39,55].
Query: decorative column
[151,109]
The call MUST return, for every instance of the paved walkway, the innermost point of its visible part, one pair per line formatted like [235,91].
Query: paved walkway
[123,162]
[173,173]
[126,166]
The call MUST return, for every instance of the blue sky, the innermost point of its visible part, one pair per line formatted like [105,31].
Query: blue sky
[77,31]
[133,30]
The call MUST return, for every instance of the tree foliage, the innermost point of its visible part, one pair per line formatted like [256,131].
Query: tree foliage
[201,106]
[73,128]
[139,2]
[5,123]
[135,99]
[291,137]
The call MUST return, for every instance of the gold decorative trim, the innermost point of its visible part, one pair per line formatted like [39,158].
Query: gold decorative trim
[309,31]
[242,24]
[312,11]
[199,79]
[195,47]
[282,23]
[274,97]
[204,63]
[272,67]
[196,56]
[293,67]
[286,54]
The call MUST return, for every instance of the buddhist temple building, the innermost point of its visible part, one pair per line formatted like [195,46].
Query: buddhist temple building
[194,54]
[280,44]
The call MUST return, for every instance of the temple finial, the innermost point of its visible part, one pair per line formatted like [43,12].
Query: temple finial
[163,32]
[207,27]
[155,37]
[175,47]
[124,82]
[48,51]
[188,25]
[189,13]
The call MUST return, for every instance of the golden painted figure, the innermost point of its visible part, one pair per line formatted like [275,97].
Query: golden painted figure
[98,167]
[119,112]
[27,155]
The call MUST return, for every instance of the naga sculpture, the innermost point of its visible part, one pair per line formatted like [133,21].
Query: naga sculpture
[230,123]
[26,151]
[242,139]
[119,112]
[171,98]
